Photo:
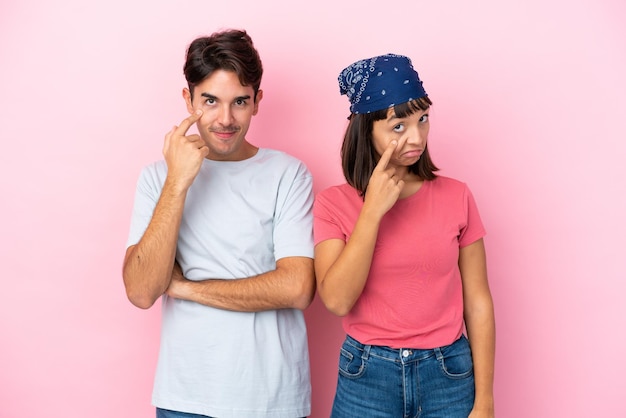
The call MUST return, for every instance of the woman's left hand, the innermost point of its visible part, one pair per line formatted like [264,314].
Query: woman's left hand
[482,413]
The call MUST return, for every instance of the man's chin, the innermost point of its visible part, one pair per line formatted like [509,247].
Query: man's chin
[224,153]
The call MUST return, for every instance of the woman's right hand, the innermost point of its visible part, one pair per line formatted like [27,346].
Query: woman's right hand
[385,185]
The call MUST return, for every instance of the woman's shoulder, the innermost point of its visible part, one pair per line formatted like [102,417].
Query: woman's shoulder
[447,183]
[338,192]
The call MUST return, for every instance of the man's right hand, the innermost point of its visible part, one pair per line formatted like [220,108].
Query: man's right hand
[184,153]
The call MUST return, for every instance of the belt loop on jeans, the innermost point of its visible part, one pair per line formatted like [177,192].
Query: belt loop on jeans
[438,353]
[366,351]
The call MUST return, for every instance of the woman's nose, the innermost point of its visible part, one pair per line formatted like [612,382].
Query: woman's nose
[414,135]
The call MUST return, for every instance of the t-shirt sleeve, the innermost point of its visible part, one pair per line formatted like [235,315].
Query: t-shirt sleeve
[147,194]
[293,228]
[325,225]
[473,229]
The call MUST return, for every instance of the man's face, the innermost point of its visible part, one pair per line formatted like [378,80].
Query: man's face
[227,108]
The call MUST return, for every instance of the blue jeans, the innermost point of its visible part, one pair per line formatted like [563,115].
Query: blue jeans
[381,382]
[166,413]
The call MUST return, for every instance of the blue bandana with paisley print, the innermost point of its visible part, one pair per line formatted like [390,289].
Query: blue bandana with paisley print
[380,82]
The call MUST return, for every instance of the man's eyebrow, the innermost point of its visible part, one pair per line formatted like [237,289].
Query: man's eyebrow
[212,97]
[208,96]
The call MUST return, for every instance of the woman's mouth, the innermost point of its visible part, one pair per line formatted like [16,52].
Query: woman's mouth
[412,153]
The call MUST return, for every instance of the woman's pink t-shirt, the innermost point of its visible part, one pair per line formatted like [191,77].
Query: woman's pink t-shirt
[414,296]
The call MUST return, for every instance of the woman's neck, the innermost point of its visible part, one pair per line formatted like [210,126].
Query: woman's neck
[412,183]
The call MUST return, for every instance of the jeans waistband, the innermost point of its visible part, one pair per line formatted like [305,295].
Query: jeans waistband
[398,354]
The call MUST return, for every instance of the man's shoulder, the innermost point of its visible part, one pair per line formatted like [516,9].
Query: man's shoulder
[280,160]
[271,153]
[155,167]
[153,172]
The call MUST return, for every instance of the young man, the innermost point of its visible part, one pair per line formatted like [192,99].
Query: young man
[222,230]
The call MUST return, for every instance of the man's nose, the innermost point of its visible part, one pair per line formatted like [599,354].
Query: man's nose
[225,116]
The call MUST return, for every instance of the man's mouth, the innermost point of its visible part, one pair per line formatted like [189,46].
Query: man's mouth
[230,130]
[224,133]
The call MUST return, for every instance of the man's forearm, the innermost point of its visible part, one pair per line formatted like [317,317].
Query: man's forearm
[291,285]
[148,265]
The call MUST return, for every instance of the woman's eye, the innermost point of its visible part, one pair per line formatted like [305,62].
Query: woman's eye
[424,119]
[398,128]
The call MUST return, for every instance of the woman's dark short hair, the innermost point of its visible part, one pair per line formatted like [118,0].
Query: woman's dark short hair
[229,50]
[358,156]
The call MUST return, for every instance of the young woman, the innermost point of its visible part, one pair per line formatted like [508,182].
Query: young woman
[399,255]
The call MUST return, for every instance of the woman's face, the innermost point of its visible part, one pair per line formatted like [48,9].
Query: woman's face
[411,133]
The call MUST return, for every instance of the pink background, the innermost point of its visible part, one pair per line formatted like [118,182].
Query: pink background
[530,111]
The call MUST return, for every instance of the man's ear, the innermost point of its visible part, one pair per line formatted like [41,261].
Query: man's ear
[259,96]
[187,97]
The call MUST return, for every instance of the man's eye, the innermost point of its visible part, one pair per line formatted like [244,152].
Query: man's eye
[424,119]
[240,102]
[210,101]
